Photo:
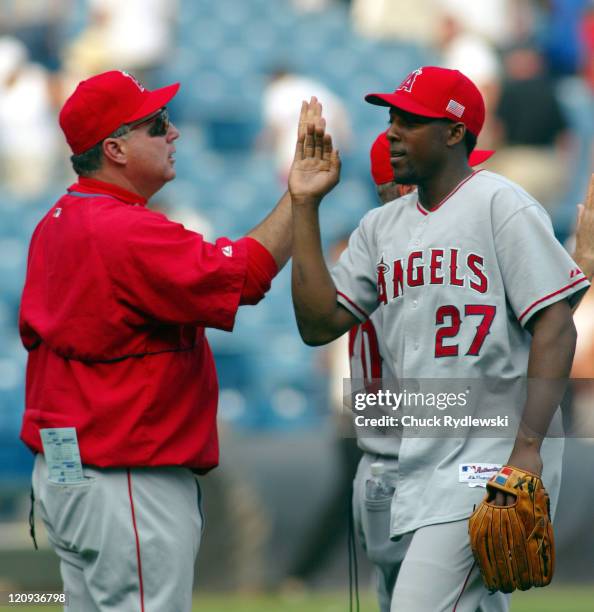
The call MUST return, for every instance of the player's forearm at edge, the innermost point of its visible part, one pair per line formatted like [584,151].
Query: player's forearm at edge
[586,266]
[549,364]
[275,231]
[320,318]
[584,251]
[584,238]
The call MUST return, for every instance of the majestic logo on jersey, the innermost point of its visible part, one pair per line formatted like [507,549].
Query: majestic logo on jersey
[430,267]
[134,80]
[409,81]
[575,272]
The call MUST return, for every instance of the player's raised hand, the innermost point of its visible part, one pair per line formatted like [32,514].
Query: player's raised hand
[316,165]
[584,238]
[310,113]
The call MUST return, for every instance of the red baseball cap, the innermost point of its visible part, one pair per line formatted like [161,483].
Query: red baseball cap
[430,91]
[479,156]
[102,103]
[381,168]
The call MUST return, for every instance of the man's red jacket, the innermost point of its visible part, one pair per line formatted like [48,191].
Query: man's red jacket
[113,313]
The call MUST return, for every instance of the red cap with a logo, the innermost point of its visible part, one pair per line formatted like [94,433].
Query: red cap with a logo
[103,103]
[381,166]
[437,92]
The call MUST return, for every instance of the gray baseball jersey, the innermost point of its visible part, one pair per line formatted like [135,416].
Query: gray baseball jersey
[455,287]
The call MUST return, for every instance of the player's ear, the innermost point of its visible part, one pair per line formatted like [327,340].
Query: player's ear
[456,133]
[114,149]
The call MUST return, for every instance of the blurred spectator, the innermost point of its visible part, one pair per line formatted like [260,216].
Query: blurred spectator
[311,6]
[135,35]
[38,24]
[587,37]
[492,20]
[475,57]
[532,130]
[470,53]
[281,107]
[559,35]
[28,135]
[407,20]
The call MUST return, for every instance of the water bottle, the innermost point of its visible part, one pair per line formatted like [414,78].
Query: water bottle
[378,486]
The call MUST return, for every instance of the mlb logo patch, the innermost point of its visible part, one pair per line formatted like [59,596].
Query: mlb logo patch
[477,474]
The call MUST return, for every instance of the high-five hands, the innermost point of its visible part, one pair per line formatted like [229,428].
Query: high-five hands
[316,165]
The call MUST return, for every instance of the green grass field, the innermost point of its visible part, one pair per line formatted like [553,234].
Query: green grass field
[558,599]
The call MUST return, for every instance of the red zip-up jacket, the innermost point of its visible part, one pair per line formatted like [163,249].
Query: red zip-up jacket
[113,313]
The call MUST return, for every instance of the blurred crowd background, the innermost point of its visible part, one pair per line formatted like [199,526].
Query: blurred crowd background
[245,66]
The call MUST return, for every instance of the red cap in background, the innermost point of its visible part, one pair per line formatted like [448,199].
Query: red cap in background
[381,168]
[102,103]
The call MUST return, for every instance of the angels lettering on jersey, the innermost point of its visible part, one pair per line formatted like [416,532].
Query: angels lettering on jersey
[434,266]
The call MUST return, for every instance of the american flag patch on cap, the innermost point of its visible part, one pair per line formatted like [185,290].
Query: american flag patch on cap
[455,108]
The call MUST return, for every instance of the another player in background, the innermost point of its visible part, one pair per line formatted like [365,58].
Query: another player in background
[470,283]
[372,517]
[121,383]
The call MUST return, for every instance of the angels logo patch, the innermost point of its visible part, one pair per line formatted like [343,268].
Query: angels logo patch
[382,268]
[409,81]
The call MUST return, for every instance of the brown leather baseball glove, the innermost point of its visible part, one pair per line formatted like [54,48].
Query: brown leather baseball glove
[513,545]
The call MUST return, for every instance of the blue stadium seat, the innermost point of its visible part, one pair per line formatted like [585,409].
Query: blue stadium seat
[13,261]
[15,459]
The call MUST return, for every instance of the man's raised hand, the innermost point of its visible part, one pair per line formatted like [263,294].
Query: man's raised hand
[316,165]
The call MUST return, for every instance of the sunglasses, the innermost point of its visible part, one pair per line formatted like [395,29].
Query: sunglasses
[160,123]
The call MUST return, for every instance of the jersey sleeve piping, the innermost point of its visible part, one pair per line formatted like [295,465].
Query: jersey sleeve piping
[530,309]
[356,310]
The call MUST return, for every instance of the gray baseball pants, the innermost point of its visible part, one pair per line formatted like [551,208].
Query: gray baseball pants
[127,539]
[428,570]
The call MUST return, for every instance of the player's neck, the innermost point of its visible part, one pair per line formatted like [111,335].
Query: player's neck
[121,179]
[434,190]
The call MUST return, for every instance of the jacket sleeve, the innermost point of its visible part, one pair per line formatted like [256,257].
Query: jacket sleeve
[164,272]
